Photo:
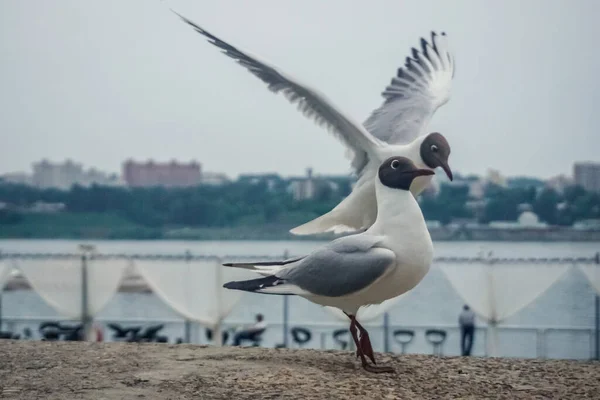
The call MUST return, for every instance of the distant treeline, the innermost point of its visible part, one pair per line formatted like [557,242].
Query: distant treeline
[506,204]
[256,204]
[238,203]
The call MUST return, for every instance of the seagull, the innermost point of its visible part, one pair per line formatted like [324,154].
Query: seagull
[390,258]
[397,127]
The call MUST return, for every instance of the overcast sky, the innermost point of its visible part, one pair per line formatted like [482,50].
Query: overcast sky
[103,81]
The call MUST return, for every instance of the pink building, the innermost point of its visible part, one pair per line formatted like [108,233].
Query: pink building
[172,174]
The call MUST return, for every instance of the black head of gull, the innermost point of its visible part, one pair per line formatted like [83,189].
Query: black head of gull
[435,151]
[399,172]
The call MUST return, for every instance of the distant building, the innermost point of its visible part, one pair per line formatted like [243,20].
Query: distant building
[60,175]
[559,183]
[495,177]
[309,187]
[214,178]
[527,219]
[172,174]
[64,175]
[587,175]
[270,179]
[304,188]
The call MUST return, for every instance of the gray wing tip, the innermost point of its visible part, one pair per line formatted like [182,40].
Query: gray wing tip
[227,48]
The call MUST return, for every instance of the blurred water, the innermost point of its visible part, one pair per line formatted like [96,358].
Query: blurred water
[433,303]
[249,247]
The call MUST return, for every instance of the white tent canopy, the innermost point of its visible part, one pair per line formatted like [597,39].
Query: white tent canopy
[498,291]
[592,273]
[194,289]
[59,282]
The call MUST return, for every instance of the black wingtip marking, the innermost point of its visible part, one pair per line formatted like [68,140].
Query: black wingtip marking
[228,265]
[433,42]
[415,53]
[424,45]
[409,64]
[254,285]
[416,65]
[230,285]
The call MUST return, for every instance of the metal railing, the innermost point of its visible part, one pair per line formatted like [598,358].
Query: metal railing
[541,333]
[188,256]
[322,334]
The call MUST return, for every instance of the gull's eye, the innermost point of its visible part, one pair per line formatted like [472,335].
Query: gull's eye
[395,164]
[434,148]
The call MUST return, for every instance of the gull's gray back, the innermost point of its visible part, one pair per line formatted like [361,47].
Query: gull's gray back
[342,267]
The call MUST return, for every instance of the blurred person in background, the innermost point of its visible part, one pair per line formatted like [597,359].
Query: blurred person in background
[252,332]
[27,334]
[466,320]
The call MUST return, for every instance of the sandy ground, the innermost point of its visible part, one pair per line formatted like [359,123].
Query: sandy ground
[63,370]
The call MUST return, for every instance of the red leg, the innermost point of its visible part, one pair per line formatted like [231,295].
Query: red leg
[355,336]
[365,342]
[353,323]
[360,348]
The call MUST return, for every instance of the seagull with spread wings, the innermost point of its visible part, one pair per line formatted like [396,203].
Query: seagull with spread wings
[396,128]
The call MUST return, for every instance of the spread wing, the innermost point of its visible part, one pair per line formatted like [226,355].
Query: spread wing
[415,93]
[310,102]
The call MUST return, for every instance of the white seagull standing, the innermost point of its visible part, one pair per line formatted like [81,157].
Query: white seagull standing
[387,260]
[395,128]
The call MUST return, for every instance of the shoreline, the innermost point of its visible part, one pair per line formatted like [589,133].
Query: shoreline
[553,234]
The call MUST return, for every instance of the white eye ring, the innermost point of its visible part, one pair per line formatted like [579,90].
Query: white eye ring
[395,164]
[434,148]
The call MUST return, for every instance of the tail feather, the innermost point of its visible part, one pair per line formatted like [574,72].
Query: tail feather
[253,285]
[267,285]
[262,263]
[264,267]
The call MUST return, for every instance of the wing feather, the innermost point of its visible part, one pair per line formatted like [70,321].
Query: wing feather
[309,101]
[415,93]
[344,266]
